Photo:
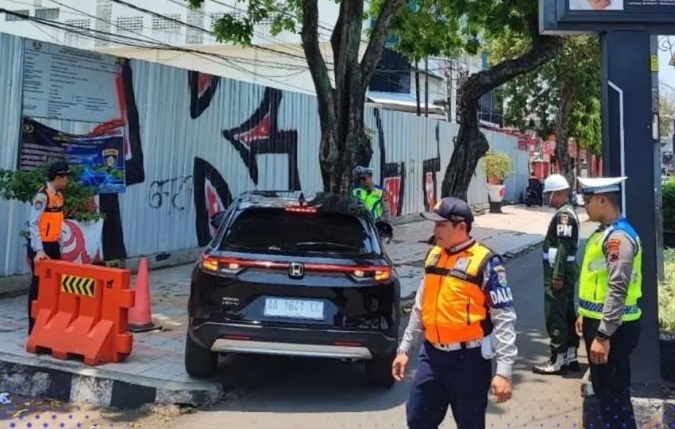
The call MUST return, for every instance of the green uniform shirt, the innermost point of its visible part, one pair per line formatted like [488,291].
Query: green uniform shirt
[562,240]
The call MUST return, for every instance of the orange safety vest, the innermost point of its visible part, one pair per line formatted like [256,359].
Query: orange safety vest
[454,307]
[51,221]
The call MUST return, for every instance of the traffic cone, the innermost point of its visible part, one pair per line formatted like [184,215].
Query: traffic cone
[140,316]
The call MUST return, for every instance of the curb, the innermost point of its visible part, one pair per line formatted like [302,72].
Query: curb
[99,387]
[649,412]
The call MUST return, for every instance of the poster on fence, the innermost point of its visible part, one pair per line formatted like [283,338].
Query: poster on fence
[100,154]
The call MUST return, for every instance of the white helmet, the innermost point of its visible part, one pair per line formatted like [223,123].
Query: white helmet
[555,182]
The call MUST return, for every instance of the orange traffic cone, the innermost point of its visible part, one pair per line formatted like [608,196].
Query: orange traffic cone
[140,316]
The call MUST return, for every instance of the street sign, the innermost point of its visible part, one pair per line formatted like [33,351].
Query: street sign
[593,16]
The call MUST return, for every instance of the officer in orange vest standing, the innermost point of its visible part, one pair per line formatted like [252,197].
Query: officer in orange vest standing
[46,225]
[464,310]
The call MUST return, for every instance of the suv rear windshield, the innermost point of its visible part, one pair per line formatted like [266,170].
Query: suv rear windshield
[279,231]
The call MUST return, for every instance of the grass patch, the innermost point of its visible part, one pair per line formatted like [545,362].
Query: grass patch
[667,293]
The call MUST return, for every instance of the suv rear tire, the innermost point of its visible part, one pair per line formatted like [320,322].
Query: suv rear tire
[378,370]
[199,362]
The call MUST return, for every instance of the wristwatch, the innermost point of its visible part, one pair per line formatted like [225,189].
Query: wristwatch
[601,336]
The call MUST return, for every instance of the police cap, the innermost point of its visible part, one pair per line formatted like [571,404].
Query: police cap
[450,209]
[59,168]
[600,185]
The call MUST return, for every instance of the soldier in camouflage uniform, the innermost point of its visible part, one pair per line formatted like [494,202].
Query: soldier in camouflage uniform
[561,273]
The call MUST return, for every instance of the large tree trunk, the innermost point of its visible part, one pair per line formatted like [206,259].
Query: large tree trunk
[471,144]
[562,153]
[344,142]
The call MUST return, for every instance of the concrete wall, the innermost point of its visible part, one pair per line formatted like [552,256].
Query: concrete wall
[189,152]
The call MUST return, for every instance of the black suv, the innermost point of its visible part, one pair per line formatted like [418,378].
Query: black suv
[286,275]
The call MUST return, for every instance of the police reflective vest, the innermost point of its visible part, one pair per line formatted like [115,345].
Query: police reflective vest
[454,307]
[372,199]
[594,279]
[51,221]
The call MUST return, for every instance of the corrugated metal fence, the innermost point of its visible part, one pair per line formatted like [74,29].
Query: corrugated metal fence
[194,141]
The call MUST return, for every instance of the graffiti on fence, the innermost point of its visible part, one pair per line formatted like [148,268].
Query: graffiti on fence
[202,88]
[174,193]
[260,135]
[430,169]
[392,174]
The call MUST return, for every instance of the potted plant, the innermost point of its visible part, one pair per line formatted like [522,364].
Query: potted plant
[667,316]
[497,166]
[83,224]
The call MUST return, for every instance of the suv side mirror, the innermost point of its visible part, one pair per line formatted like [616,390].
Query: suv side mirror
[217,219]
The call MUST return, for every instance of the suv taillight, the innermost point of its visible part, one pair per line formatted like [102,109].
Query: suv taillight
[379,274]
[301,209]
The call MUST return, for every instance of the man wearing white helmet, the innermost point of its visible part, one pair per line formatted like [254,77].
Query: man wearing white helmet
[560,277]
[610,285]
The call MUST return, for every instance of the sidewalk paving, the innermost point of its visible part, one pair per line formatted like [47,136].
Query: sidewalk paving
[154,372]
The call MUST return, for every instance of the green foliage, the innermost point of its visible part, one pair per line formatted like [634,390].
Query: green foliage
[239,28]
[573,76]
[497,165]
[666,115]
[23,185]
[449,27]
[668,204]
[667,293]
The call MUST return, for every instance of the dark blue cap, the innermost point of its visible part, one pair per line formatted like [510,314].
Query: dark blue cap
[59,168]
[450,209]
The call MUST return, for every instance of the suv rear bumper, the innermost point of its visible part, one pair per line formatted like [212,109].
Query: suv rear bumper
[326,343]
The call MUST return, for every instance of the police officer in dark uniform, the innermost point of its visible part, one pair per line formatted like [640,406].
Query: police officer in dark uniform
[610,285]
[46,225]
[560,278]
[464,311]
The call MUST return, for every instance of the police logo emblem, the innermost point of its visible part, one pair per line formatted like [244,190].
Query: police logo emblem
[110,156]
[39,203]
[438,205]
[564,219]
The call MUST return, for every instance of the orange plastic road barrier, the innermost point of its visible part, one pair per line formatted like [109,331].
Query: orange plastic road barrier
[140,315]
[82,310]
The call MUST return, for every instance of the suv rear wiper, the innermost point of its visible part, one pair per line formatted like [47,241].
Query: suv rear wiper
[326,244]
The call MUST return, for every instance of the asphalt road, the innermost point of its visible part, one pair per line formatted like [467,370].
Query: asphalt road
[306,393]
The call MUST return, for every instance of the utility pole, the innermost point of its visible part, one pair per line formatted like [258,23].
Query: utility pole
[417,88]
[426,87]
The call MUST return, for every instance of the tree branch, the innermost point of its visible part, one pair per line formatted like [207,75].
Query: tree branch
[336,36]
[543,50]
[378,38]
[316,62]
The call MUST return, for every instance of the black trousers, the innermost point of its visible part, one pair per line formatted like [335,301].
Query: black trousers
[53,250]
[459,379]
[612,381]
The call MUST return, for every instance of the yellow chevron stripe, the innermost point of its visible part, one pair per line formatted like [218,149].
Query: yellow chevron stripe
[77,285]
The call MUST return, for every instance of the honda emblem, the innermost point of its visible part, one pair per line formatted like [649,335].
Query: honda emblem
[296,270]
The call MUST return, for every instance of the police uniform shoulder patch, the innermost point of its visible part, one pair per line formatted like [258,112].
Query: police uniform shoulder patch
[39,203]
[613,247]
[501,275]
[563,227]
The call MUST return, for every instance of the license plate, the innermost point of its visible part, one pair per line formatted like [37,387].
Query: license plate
[293,308]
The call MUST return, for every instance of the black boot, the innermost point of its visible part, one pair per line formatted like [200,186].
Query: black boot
[555,365]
